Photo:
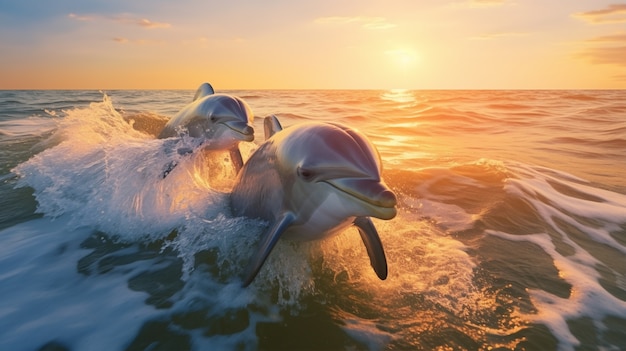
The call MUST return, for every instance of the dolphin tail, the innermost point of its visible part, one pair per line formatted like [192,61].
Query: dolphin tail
[204,90]
[267,244]
[271,125]
[236,159]
[374,246]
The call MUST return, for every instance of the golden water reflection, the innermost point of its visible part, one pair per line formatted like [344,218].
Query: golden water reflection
[406,98]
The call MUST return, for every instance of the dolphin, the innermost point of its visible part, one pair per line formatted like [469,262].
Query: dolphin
[311,181]
[222,120]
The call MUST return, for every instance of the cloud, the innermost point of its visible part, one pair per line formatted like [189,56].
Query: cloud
[615,13]
[123,40]
[620,78]
[82,18]
[608,38]
[123,18]
[364,22]
[145,23]
[612,55]
[612,51]
[495,35]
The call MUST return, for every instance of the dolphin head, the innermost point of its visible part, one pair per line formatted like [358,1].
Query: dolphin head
[222,119]
[326,160]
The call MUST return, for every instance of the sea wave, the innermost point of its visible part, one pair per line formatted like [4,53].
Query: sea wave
[500,239]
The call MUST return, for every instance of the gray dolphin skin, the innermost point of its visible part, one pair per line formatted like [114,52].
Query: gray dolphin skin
[222,120]
[311,181]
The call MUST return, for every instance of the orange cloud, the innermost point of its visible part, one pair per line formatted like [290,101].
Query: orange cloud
[613,52]
[612,14]
[609,38]
[615,55]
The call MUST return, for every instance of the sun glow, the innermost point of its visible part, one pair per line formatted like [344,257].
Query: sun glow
[401,67]
[403,58]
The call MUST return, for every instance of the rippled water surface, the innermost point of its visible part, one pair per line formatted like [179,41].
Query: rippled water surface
[510,234]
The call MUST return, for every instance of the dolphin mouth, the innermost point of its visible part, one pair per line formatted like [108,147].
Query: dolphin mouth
[244,131]
[371,192]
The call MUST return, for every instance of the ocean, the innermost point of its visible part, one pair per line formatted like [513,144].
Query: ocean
[510,233]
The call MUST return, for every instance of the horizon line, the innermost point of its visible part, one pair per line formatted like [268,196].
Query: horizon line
[305,89]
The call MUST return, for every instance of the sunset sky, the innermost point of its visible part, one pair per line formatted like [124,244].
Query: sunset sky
[321,44]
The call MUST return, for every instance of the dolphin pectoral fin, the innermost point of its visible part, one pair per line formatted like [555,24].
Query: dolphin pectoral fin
[267,243]
[374,246]
[271,126]
[204,90]
[236,159]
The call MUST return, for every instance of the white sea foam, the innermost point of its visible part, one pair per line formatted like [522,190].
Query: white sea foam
[111,177]
[585,201]
[560,197]
[37,268]
[588,298]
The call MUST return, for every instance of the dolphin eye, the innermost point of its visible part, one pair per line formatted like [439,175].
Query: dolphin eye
[306,174]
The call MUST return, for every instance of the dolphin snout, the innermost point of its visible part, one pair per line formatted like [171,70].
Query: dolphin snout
[248,130]
[387,198]
[386,202]
[248,133]
[242,128]
[371,191]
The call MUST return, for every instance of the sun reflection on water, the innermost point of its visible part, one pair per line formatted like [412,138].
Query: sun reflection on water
[398,95]
[405,98]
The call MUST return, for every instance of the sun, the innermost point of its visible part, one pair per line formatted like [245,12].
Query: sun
[403,58]
[400,67]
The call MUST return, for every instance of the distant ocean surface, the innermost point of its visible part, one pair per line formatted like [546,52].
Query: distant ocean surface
[510,234]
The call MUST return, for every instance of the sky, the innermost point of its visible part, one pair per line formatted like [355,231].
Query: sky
[320,44]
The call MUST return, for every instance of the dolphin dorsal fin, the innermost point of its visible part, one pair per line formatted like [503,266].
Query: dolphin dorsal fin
[271,125]
[204,90]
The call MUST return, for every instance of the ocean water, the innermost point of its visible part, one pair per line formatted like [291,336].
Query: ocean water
[510,234]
